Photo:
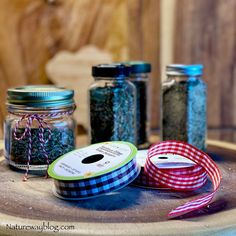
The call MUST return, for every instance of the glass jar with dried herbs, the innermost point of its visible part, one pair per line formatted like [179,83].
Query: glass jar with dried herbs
[112,105]
[139,76]
[184,109]
[39,127]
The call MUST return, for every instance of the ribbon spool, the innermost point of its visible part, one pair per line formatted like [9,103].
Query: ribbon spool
[184,179]
[171,165]
[94,170]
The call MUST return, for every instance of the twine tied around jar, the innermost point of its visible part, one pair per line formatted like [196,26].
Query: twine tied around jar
[40,118]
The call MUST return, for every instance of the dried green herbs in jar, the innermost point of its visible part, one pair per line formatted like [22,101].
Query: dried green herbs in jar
[61,141]
[39,127]
[184,115]
[112,104]
[140,78]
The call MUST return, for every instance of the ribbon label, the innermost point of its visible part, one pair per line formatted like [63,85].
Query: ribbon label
[91,161]
[167,161]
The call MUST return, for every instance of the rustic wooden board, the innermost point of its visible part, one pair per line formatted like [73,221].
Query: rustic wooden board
[138,211]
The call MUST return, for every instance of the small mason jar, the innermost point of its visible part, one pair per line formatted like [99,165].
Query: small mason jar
[184,105]
[39,126]
[139,76]
[112,102]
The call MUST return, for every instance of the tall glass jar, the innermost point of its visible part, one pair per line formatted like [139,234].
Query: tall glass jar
[184,109]
[39,126]
[139,76]
[112,105]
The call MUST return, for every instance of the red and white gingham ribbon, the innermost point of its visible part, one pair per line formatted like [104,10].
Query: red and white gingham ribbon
[187,178]
[198,174]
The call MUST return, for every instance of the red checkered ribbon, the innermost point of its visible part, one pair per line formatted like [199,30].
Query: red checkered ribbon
[186,179]
[198,174]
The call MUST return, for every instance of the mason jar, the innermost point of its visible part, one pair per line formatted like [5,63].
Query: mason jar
[112,103]
[39,126]
[139,76]
[184,105]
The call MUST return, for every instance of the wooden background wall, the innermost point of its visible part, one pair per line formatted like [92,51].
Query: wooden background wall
[33,31]
[204,31]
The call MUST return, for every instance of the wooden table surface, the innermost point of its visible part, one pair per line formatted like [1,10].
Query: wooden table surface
[130,211]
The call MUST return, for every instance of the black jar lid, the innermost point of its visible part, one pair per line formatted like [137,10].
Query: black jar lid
[111,70]
[139,66]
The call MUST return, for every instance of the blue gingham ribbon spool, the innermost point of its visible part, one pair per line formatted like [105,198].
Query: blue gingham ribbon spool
[75,180]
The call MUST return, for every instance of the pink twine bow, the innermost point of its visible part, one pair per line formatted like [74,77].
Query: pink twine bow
[27,133]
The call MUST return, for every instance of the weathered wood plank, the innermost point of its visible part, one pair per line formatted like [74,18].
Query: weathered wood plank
[205,33]
[151,52]
[134,29]
[145,209]
[144,44]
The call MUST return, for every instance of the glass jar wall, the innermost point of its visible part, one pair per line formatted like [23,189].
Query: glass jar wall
[39,126]
[112,104]
[139,76]
[184,111]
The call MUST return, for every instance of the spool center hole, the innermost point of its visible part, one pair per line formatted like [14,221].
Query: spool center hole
[162,157]
[92,159]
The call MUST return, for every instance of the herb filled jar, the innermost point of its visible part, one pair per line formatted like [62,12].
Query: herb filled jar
[139,76]
[184,109]
[39,126]
[112,102]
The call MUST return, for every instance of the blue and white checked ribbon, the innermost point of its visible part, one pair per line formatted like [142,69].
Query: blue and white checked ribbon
[92,187]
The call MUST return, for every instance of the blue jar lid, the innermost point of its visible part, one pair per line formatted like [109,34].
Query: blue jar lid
[192,70]
[139,66]
[112,70]
[181,69]
[40,96]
